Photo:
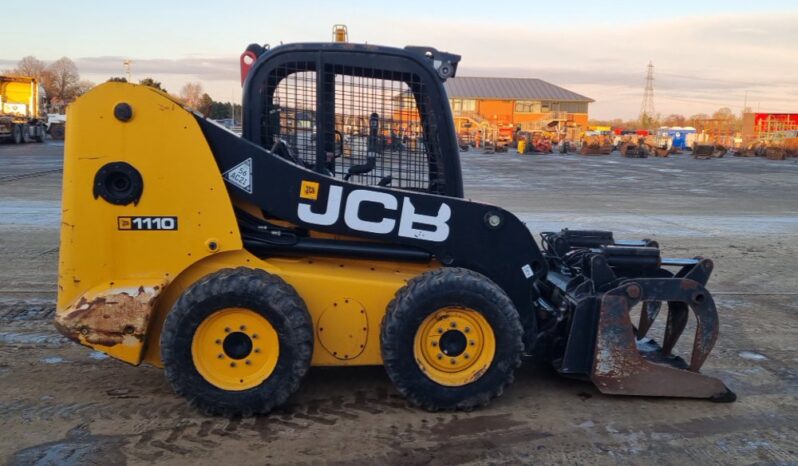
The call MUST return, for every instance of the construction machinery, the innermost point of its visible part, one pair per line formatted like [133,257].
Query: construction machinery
[534,141]
[708,151]
[238,262]
[774,145]
[56,125]
[22,116]
[643,148]
[593,144]
[635,149]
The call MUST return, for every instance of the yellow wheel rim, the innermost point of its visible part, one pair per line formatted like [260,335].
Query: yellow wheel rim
[454,346]
[235,349]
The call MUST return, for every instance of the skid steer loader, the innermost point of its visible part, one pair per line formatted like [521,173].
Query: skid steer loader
[335,232]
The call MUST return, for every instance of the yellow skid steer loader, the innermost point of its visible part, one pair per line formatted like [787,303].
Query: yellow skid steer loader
[334,232]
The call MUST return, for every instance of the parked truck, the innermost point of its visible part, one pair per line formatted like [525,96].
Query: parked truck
[22,105]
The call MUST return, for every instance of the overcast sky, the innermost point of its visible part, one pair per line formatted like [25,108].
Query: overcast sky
[706,54]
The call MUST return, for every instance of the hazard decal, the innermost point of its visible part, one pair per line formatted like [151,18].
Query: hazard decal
[240,176]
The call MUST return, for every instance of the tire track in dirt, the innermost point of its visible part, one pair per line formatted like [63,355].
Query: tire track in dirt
[194,435]
[26,312]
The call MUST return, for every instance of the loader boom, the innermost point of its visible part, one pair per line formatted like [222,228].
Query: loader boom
[398,223]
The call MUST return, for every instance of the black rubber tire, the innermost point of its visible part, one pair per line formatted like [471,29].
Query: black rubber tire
[41,133]
[17,134]
[252,289]
[57,131]
[26,134]
[424,295]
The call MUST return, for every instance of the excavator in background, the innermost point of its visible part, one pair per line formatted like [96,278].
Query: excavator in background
[238,262]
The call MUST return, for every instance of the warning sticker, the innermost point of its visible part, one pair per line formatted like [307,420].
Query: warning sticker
[527,270]
[240,176]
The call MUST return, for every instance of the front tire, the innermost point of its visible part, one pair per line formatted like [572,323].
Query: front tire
[451,339]
[237,342]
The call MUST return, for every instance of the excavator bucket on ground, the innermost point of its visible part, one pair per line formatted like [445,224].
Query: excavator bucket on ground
[335,232]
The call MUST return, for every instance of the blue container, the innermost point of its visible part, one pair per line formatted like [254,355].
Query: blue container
[677,135]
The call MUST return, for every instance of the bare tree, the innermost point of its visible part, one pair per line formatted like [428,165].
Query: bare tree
[724,113]
[675,119]
[205,105]
[83,86]
[191,94]
[61,80]
[30,66]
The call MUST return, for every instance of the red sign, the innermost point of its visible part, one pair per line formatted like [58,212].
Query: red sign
[761,119]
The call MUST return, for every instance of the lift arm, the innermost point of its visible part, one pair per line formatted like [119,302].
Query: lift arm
[456,232]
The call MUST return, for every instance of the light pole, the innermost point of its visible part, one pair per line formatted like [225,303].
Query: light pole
[127,64]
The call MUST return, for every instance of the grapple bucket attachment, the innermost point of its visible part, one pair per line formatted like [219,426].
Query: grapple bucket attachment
[628,363]
[593,284]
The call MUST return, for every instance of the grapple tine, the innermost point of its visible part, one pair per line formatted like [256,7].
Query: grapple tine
[648,315]
[677,320]
[619,368]
[706,331]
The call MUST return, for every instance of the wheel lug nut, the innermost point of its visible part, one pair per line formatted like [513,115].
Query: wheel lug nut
[232,364]
[453,324]
[440,330]
[254,336]
[467,329]
[242,328]
[218,342]
[227,330]
[434,343]
[471,342]
[248,362]
[221,356]
[257,350]
[465,356]
[453,361]
[440,356]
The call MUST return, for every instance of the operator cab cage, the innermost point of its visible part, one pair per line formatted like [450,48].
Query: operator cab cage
[367,114]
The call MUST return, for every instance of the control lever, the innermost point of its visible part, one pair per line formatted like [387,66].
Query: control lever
[371,154]
[362,169]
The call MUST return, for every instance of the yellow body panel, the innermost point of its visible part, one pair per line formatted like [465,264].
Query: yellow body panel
[320,282]
[165,144]
[113,316]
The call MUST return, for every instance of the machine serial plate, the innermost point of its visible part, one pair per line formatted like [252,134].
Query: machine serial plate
[147,223]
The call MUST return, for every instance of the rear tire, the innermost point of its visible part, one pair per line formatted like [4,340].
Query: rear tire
[474,325]
[269,376]
[40,133]
[17,130]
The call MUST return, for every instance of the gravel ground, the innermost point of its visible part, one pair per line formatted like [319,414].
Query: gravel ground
[61,403]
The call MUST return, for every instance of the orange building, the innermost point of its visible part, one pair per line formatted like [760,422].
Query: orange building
[502,104]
